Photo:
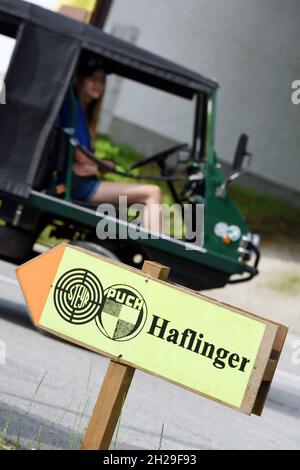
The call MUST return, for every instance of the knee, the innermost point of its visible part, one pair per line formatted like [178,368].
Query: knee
[155,193]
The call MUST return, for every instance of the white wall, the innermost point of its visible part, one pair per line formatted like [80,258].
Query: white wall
[50,4]
[6,50]
[252,47]
[7,44]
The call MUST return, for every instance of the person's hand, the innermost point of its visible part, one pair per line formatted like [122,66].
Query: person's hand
[108,165]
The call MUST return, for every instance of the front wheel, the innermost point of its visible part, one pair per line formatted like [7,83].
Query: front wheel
[129,253]
[95,248]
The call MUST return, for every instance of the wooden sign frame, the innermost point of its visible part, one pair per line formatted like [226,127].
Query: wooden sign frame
[120,372]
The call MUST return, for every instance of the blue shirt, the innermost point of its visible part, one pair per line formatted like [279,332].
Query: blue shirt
[81,126]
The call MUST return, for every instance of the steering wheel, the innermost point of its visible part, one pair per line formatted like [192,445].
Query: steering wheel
[159,158]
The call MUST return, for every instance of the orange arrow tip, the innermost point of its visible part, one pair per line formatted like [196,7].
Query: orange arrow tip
[36,277]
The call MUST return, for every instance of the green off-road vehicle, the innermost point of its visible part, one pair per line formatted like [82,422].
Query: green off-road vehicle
[34,151]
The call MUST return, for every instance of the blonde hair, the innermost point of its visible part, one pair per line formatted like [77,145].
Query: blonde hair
[92,111]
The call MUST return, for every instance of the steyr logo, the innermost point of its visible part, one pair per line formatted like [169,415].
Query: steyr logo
[120,312]
[78,296]
[2,92]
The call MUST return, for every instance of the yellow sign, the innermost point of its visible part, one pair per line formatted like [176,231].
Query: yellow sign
[155,326]
[86,5]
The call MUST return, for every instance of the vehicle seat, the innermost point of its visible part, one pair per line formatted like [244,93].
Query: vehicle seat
[53,162]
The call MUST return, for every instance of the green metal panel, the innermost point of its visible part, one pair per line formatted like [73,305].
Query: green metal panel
[211,130]
[218,209]
[88,217]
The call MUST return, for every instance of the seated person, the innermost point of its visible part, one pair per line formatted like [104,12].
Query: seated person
[89,89]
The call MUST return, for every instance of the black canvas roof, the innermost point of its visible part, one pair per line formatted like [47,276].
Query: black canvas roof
[113,49]
[48,47]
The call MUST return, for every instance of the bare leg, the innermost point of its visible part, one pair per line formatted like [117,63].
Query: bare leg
[148,194]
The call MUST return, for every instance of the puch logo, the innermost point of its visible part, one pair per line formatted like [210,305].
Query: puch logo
[2,92]
[124,313]
[120,312]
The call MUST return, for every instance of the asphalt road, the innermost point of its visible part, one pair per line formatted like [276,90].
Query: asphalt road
[48,388]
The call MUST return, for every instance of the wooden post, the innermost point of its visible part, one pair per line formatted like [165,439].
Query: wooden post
[96,18]
[269,372]
[100,13]
[114,389]
[108,407]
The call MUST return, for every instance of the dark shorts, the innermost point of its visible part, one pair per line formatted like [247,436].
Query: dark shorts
[84,188]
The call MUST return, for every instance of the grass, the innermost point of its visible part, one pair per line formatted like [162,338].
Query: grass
[289,285]
[4,443]
[272,218]
[125,157]
[31,402]
[161,437]
[75,436]
[76,433]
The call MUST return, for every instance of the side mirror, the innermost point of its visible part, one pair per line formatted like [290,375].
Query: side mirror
[241,153]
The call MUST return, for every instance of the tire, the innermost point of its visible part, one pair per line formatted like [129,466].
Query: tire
[15,244]
[95,248]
